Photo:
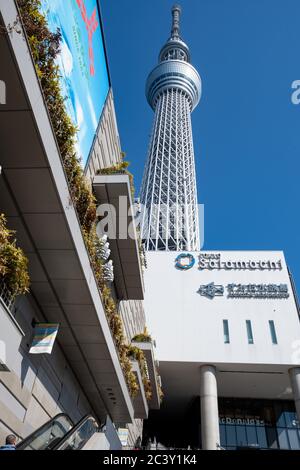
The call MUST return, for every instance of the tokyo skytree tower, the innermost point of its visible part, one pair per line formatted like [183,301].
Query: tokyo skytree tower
[169,217]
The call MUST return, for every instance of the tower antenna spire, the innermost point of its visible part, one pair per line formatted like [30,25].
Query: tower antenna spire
[175,31]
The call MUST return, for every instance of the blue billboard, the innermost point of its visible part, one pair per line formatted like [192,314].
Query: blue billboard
[82,64]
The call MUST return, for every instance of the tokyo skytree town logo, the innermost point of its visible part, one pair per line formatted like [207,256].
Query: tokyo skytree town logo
[184,261]
[211,290]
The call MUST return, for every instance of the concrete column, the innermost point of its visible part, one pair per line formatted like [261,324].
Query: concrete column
[209,408]
[295,383]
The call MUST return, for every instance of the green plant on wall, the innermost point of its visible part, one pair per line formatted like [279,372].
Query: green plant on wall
[13,262]
[45,46]
[135,353]
[120,168]
[144,337]
[160,393]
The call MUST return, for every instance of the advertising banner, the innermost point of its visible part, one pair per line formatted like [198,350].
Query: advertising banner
[82,64]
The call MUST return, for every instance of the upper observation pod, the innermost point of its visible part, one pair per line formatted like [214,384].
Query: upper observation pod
[174,70]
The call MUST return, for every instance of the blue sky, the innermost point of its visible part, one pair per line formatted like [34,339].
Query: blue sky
[246,129]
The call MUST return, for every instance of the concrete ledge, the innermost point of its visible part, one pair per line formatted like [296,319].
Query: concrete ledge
[115,191]
[147,348]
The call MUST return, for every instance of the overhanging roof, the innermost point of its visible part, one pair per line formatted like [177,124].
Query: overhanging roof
[115,191]
[181,383]
[34,196]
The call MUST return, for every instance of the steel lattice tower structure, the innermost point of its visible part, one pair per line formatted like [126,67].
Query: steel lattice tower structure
[169,219]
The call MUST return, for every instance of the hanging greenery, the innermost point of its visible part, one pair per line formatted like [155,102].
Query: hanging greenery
[45,46]
[13,263]
[147,388]
[137,354]
[144,337]
[160,393]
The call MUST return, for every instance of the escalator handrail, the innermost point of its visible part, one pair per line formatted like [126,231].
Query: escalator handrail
[74,430]
[29,438]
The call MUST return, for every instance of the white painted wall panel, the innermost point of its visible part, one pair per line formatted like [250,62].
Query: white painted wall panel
[188,327]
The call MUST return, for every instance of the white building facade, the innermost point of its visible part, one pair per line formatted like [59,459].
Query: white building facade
[228,342]
[226,323]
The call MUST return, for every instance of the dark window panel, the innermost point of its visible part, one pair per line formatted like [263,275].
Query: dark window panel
[230,436]
[271,437]
[251,436]
[293,438]
[241,436]
[223,435]
[283,439]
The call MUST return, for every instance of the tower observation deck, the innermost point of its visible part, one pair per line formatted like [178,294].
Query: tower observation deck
[169,219]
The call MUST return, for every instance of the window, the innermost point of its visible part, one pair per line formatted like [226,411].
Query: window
[223,435]
[226,332]
[251,436]
[230,436]
[261,436]
[273,332]
[249,332]
[293,438]
[283,440]
[256,424]
[241,436]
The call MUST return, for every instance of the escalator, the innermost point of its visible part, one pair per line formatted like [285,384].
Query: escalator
[60,433]
[81,434]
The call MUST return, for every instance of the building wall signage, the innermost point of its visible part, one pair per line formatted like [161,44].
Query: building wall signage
[237,291]
[211,290]
[258,291]
[244,421]
[214,261]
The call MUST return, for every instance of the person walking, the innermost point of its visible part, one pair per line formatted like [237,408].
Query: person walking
[10,443]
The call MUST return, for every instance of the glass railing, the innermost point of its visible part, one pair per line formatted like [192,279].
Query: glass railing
[48,435]
[79,435]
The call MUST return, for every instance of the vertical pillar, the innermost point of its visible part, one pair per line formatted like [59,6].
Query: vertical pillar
[295,383]
[209,408]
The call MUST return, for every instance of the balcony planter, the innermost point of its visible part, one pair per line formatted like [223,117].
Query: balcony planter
[148,350]
[139,401]
[14,278]
[114,190]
